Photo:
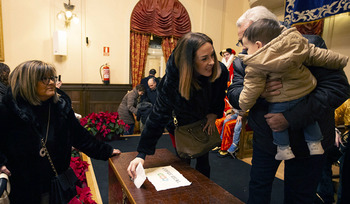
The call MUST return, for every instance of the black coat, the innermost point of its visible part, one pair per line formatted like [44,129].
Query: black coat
[143,111]
[3,89]
[22,126]
[209,99]
[331,91]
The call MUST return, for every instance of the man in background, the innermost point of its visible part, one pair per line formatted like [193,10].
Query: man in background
[151,92]
[301,174]
[144,81]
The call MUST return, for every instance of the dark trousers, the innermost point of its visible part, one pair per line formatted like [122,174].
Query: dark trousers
[202,164]
[301,177]
[345,178]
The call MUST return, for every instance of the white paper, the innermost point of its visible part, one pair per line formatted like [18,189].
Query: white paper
[140,176]
[166,177]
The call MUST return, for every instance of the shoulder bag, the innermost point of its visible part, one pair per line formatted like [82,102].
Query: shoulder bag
[63,186]
[192,142]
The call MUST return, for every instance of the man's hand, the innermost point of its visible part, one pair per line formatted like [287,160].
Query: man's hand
[271,88]
[276,121]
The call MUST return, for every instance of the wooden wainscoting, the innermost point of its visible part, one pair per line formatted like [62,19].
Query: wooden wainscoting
[88,98]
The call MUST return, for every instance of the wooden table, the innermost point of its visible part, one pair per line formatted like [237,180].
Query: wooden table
[123,190]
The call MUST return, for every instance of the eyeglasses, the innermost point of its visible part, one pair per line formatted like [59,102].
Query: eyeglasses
[239,43]
[46,80]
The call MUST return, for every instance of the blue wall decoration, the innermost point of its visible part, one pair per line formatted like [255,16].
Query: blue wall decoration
[298,11]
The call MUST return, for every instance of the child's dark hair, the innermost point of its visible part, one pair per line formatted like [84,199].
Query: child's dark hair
[263,30]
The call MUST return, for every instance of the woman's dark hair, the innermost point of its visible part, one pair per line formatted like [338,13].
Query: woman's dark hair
[4,74]
[263,30]
[140,88]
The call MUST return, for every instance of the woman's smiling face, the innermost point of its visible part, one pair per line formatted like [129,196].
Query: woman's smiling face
[204,60]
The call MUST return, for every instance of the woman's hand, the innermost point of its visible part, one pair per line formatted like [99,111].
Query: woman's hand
[116,152]
[210,126]
[132,167]
[3,169]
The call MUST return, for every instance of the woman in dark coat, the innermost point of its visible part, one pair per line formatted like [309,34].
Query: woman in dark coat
[194,88]
[34,111]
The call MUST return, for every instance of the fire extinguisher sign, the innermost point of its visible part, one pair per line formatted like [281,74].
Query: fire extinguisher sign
[105,51]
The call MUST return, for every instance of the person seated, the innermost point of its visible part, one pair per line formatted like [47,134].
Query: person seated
[228,55]
[231,121]
[230,133]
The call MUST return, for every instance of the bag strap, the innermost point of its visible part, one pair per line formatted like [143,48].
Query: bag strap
[175,120]
[48,156]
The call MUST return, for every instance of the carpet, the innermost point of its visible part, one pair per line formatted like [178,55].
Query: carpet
[231,174]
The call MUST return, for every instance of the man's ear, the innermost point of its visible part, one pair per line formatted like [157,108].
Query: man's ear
[259,43]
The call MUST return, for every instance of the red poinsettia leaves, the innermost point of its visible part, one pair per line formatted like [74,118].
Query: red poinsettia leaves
[104,124]
[83,194]
[79,167]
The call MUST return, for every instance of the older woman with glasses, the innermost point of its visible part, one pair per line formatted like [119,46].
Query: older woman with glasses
[37,121]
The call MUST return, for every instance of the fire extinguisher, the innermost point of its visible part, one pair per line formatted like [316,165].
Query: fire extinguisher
[104,73]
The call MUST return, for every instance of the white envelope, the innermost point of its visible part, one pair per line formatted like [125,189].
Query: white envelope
[140,176]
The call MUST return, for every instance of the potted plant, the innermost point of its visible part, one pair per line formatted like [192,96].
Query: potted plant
[104,125]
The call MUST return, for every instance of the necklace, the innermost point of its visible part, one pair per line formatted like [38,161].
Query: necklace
[42,151]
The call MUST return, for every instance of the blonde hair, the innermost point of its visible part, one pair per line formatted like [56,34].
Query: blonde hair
[184,54]
[25,77]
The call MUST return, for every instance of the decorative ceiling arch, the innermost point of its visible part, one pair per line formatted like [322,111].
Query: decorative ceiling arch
[163,18]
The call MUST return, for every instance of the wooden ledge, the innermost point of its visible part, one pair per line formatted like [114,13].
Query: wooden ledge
[91,180]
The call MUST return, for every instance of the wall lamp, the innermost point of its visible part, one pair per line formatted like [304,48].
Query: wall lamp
[68,14]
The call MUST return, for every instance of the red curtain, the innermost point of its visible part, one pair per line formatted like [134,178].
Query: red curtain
[138,48]
[311,28]
[168,45]
[167,19]
[162,18]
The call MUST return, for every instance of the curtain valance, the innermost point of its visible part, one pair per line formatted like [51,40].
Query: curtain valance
[298,11]
[160,17]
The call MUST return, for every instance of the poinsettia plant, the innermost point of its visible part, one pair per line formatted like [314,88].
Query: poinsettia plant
[104,125]
[83,192]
